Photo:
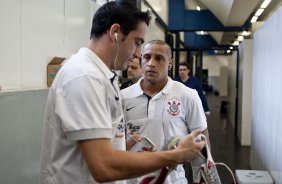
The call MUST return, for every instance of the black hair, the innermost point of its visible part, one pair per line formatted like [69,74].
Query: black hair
[184,63]
[121,12]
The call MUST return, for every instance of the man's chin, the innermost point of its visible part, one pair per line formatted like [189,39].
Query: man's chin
[150,79]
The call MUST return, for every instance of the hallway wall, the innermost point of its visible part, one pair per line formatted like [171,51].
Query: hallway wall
[245,92]
[21,118]
[266,149]
[213,64]
[33,32]
[22,111]
[232,67]
[154,31]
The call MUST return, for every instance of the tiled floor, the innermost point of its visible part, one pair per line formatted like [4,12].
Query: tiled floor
[225,146]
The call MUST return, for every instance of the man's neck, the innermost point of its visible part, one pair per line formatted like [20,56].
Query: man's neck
[135,80]
[184,79]
[151,89]
[98,47]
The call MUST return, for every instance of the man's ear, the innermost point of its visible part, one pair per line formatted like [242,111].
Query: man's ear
[170,64]
[114,32]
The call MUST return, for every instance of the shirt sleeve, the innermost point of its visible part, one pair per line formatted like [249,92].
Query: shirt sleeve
[195,114]
[82,107]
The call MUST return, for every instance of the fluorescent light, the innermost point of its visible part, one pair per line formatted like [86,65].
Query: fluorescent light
[228,51]
[265,3]
[254,19]
[198,8]
[259,12]
[230,47]
[240,38]
[246,33]
[235,43]
[201,33]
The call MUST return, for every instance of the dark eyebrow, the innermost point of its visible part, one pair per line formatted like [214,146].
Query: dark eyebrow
[160,55]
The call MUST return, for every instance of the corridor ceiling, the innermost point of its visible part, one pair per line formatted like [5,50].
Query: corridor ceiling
[223,20]
[231,13]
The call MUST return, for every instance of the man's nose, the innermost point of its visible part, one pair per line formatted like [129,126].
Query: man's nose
[151,62]
[137,53]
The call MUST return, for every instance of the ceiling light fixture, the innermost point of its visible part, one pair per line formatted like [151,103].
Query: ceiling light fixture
[240,38]
[265,3]
[202,33]
[254,19]
[235,43]
[246,33]
[259,12]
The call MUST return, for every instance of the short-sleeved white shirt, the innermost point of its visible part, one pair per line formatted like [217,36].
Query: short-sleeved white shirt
[175,111]
[84,102]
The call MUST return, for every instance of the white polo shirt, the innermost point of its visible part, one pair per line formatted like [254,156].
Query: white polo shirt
[175,111]
[82,104]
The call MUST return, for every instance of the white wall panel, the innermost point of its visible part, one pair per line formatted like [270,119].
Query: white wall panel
[33,32]
[161,7]
[42,35]
[154,32]
[78,21]
[10,44]
[266,140]
[232,67]
[244,92]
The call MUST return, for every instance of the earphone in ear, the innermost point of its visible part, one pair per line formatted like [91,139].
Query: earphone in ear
[116,37]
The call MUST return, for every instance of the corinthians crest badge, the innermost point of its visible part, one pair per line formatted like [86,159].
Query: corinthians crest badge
[173,106]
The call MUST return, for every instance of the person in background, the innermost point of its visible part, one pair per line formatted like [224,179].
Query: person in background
[134,73]
[192,82]
[159,108]
[84,131]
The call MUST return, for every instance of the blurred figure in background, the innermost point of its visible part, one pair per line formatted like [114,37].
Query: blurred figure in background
[134,73]
[192,82]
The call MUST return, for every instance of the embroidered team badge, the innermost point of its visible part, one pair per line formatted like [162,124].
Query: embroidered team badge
[120,131]
[174,106]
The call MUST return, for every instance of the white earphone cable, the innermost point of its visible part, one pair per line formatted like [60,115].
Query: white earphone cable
[117,48]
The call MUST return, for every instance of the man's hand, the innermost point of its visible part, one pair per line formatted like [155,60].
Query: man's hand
[132,140]
[189,147]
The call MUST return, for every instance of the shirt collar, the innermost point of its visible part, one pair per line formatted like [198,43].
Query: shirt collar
[168,87]
[98,61]
[166,90]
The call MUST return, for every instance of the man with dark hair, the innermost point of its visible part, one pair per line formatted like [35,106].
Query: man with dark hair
[192,82]
[134,73]
[84,131]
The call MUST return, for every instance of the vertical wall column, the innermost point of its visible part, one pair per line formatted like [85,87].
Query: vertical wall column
[199,65]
